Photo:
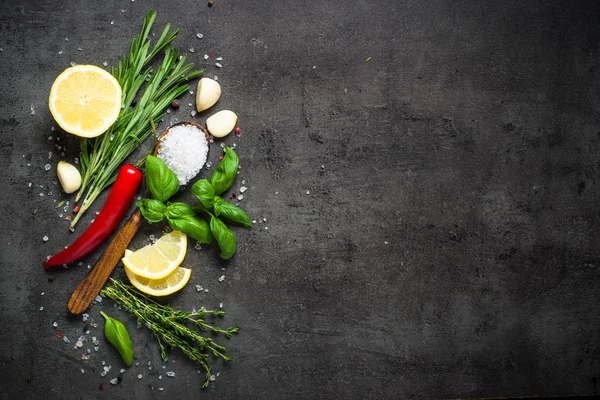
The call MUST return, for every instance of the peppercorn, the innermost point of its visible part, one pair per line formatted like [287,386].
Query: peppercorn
[76,209]
[238,130]
[210,3]
[175,104]
[50,278]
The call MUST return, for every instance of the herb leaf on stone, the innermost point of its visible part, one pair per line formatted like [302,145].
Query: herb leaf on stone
[153,210]
[205,192]
[194,227]
[160,180]
[224,237]
[231,212]
[116,333]
[225,173]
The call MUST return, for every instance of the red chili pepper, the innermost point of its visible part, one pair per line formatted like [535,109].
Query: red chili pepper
[117,203]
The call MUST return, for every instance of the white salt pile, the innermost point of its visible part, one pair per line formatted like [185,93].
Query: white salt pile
[184,149]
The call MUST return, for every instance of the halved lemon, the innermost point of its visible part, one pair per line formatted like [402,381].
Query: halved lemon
[158,260]
[159,287]
[85,100]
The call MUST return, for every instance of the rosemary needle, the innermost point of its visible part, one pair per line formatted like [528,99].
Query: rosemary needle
[101,156]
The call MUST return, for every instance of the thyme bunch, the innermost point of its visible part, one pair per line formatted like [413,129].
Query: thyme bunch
[174,328]
[101,156]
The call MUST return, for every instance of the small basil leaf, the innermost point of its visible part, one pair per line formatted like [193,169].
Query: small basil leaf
[204,191]
[231,212]
[178,210]
[117,335]
[224,237]
[160,180]
[223,177]
[194,227]
[152,210]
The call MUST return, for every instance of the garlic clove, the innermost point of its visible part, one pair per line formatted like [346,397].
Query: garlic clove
[221,124]
[207,94]
[69,177]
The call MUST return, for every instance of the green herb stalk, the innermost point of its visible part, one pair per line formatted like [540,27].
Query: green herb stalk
[101,156]
[174,328]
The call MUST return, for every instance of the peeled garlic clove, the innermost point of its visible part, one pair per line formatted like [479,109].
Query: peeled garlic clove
[69,176]
[207,94]
[222,123]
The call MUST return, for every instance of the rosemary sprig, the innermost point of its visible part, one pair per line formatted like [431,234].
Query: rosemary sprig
[101,156]
[173,328]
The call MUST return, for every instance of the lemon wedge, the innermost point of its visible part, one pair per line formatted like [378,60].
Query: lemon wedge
[173,282]
[85,100]
[158,260]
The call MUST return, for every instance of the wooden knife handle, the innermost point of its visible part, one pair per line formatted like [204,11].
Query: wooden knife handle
[92,284]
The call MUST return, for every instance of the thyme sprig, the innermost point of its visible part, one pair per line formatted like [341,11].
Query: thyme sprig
[100,157]
[174,328]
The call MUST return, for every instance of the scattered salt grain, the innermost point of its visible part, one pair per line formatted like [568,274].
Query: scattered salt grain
[212,378]
[66,339]
[105,63]
[193,113]
[98,299]
[184,150]
[218,65]
[114,381]
[42,308]
[192,50]
[45,238]
[73,63]
[55,324]
[82,370]
[170,374]
[219,58]
[220,305]
[197,246]
[140,376]
[85,317]
[205,290]
[31,109]
[198,288]
[112,22]
[308,192]
[122,371]
[221,278]
[199,35]
[385,242]
[79,48]
[60,52]
[243,189]
[216,78]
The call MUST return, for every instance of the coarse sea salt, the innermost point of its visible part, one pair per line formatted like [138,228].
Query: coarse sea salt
[184,149]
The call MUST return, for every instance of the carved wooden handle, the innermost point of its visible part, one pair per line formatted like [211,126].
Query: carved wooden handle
[92,284]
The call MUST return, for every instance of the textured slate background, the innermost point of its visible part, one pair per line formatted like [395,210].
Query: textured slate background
[432,214]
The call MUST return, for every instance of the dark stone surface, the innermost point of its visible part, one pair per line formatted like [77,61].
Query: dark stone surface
[433,213]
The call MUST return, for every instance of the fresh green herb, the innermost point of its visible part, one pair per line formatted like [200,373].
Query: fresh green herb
[196,228]
[224,237]
[152,210]
[178,210]
[60,204]
[226,171]
[231,212]
[174,328]
[101,156]
[182,217]
[162,183]
[117,335]
[205,192]
[368,59]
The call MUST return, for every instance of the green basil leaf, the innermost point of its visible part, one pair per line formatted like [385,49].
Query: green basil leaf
[152,210]
[224,237]
[117,335]
[223,177]
[231,212]
[178,210]
[204,191]
[194,227]
[160,180]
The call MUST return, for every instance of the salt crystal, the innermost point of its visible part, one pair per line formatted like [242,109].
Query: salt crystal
[82,370]
[31,110]
[193,113]
[66,339]
[60,52]
[198,246]
[198,288]
[184,150]
[79,48]
[78,344]
[122,370]
[218,65]
[112,22]
[220,305]
[219,58]
[45,238]
[264,219]
[241,197]
[216,78]
[221,278]
[308,192]
[212,378]
[206,56]
[191,92]
[385,242]
[190,104]
[170,374]
[205,290]
[266,228]
[114,381]
[98,299]
[199,35]
[253,221]
[29,184]
[192,50]
[105,63]
[42,308]
[66,39]
[140,376]
[73,63]
[55,324]
[243,189]
[161,389]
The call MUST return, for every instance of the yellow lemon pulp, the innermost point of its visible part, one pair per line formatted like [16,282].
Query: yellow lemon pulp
[160,287]
[85,100]
[160,259]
